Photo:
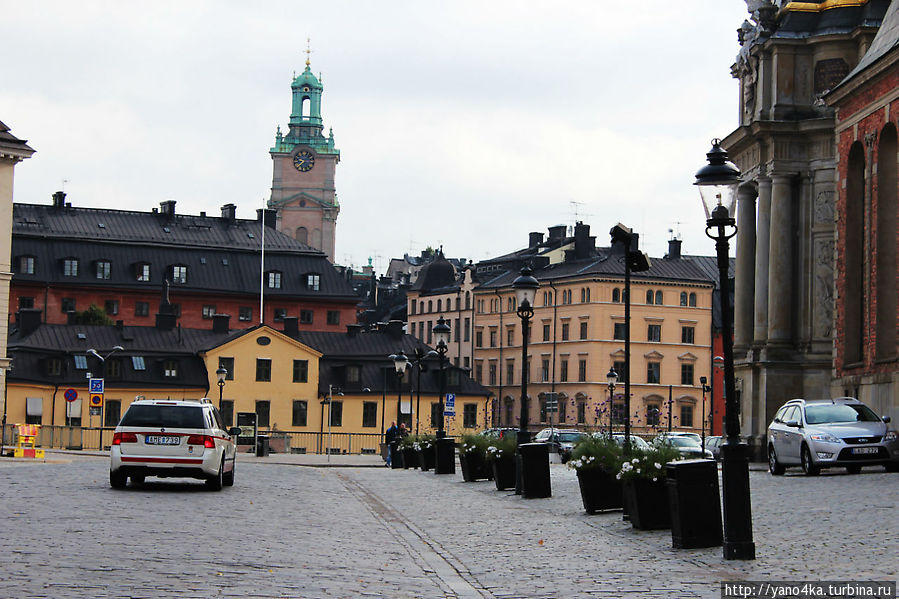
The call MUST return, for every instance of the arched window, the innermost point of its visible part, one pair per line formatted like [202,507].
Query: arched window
[467,299]
[683,298]
[616,295]
[421,307]
[854,258]
[302,235]
[693,300]
[886,244]
[307,104]
[588,295]
[412,307]
[583,295]
[430,306]
[440,305]
[659,298]
[649,296]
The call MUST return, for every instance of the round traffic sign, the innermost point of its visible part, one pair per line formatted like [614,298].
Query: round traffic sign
[70,395]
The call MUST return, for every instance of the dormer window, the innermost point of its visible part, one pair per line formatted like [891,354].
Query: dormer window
[179,274]
[70,267]
[142,272]
[274,280]
[103,269]
[26,265]
[313,282]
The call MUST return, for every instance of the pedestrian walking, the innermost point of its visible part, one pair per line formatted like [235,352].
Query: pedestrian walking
[390,437]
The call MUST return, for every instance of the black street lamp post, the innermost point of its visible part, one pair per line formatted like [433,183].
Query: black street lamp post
[445,462]
[634,261]
[525,287]
[418,363]
[718,182]
[221,374]
[399,363]
[702,416]
[612,377]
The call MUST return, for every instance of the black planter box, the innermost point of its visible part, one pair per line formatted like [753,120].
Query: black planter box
[410,460]
[474,466]
[600,490]
[647,503]
[426,458]
[504,473]
[695,504]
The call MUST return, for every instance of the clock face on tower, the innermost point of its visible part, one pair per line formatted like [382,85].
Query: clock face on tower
[304,161]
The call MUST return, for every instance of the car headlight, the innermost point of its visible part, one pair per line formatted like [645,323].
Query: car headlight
[890,436]
[824,437]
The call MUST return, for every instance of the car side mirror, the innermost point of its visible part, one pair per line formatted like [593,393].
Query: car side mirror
[234,431]
[887,419]
[793,423]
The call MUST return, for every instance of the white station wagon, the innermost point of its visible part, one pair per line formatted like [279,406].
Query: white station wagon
[172,438]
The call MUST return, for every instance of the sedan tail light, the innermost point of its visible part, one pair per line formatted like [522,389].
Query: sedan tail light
[119,438]
[204,440]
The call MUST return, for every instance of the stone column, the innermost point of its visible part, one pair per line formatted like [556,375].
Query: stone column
[781,286]
[744,278]
[762,240]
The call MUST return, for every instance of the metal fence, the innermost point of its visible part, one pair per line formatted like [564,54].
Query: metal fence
[87,438]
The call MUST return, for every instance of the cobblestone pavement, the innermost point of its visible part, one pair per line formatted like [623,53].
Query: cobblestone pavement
[285,530]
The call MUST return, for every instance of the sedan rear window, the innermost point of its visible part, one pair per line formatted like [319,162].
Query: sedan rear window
[839,413]
[164,416]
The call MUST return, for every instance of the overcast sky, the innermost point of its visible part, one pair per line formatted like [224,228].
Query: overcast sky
[466,124]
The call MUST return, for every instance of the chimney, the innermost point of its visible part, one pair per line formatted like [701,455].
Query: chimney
[353,330]
[673,249]
[394,328]
[28,320]
[229,212]
[59,200]
[221,323]
[167,207]
[165,320]
[535,238]
[291,326]
[584,245]
[268,217]
[557,232]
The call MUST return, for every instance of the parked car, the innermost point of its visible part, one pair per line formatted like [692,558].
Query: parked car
[694,436]
[637,442]
[561,441]
[172,438]
[500,433]
[687,446]
[816,434]
[713,444]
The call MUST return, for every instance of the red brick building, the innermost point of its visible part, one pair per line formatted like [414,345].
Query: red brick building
[66,258]
[866,362]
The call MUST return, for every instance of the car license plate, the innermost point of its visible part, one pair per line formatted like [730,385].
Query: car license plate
[162,440]
[863,450]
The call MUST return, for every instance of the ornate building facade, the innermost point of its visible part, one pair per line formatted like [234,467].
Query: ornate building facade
[304,162]
[791,55]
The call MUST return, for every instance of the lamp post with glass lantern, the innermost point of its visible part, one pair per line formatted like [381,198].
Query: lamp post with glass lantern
[445,459]
[399,363]
[525,286]
[612,377]
[221,374]
[717,182]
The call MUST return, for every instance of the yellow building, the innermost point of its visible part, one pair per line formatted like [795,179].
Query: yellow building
[577,336]
[285,377]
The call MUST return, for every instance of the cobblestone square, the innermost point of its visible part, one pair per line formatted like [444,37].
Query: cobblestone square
[290,530]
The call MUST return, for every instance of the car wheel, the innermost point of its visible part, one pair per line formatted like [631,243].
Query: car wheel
[137,479]
[774,467]
[808,466]
[117,479]
[216,482]
[228,477]
[853,469]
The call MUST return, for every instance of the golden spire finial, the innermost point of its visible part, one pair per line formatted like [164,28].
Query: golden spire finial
[308,50]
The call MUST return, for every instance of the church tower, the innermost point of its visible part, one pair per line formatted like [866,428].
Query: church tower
[304,161]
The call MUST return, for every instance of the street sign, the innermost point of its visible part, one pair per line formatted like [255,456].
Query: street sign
[70,395]
[96,400]
[552,402]
[96,386]
[94,411]
[449,406]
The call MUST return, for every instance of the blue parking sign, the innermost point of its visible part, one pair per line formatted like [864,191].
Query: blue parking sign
[449,406]
[96,386]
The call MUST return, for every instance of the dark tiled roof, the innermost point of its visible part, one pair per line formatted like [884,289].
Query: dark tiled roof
[221,255]
[840,19]
[11,144]
[887,38]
